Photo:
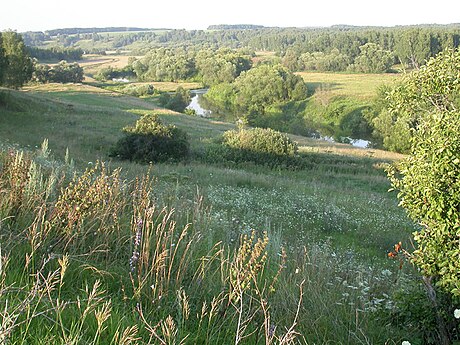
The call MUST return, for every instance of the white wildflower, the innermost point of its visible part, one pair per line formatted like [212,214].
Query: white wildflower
[457,313]
[405,342]
[386,273]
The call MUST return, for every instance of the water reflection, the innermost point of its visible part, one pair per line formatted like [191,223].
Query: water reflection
[361,143]
[200,111]
[364,144]
[195,103]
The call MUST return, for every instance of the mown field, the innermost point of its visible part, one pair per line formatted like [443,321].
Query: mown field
[355,85]
[197,252]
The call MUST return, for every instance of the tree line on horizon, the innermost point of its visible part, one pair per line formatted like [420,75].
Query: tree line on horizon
[410,46]
[239,81]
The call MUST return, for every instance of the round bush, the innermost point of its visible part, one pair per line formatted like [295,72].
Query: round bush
[260,140]
[151,141]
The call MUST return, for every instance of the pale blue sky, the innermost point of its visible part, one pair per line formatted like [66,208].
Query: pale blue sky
[40,15]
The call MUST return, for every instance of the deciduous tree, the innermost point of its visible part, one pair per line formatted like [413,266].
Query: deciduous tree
[2,59]
[19,65]
[428,180]
[373,59]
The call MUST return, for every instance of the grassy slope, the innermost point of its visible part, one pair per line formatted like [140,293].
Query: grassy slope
[339,210]
[87,120]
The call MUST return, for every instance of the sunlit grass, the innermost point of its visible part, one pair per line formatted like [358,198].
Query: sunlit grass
[355,85]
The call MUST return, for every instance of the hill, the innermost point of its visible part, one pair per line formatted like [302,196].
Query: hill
[328,228]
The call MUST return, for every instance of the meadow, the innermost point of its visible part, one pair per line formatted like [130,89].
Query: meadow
[355,85]
[193,252]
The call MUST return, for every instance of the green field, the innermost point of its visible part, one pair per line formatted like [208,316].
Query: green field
[329,227]
[360,86]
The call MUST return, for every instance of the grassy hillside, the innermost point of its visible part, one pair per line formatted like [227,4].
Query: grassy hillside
[205,272]
[88,121]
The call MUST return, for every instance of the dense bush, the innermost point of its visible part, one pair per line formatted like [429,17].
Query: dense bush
[139,90]
[321,61]
[165,65]
[110,73]
[151,141]
[61,73]
[260,140]
[401,108]
[16,66]
[415,313]
[255,92]
[373,59]
[260,146]
[177,101]
[56,53]
[231,157]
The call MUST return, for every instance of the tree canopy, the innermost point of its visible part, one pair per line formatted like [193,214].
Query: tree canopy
[255,91]
[411,46]
[428,180]
[434,87]
[15,64]
[60,73]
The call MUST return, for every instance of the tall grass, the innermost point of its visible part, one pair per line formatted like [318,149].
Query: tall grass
[120,253]
[92,257]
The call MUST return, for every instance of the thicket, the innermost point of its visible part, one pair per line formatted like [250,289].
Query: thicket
[110,73]
[165,65]
[339,117]
[428,179]
[221,66]
[260,140]
[149,140]
[256,91]
[399,110]
[177,101]
[61,73]
[139,90]
[260,146]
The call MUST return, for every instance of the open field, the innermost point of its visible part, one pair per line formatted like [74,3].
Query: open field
[92,63]
[116,61]
[329,229]
[360,86]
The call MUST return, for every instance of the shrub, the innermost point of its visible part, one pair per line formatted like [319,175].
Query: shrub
[177,102]
[260,146]
[109,73]
[151,141]
[61,73]
[260,140]
[139,90]
[413,312]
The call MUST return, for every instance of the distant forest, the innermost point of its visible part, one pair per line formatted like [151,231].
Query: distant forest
[409,46]
[235,27]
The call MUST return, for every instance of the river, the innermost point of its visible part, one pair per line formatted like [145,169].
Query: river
[195,103]
[200,111]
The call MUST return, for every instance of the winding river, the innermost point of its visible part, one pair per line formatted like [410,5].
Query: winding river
[200,111]
[195,103]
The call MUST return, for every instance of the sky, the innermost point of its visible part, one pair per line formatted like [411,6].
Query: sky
[41,15]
